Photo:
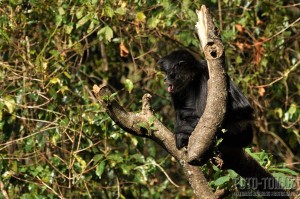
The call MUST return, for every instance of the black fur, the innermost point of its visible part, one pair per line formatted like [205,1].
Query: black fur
[186,78]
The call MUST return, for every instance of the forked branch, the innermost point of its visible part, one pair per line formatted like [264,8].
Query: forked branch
[146,125]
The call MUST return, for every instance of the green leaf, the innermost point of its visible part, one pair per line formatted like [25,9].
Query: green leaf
[10,104]
[140,17]
[100,169]
[108,11]
[135,141]
[67,74]
[61,11]
[81,161]
[278,112]
[105,33]
[58,20]
[112,96]
[68,28]
[37,170]
[153,22]
[222,180]
[284,170]
[115,159]
[238,60]
[121,11]
[63,89]
[98,157]
[292,110]
[79,12]
[232,174]
[137,158]
[83,21]
[64,122]
[128,85]
[55,80]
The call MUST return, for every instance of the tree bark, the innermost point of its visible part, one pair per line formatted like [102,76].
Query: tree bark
[201,140]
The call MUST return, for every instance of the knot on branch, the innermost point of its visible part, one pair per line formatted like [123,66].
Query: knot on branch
[214,49]
[146,107]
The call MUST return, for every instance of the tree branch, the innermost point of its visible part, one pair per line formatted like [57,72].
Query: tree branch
[201,140]
[146,125]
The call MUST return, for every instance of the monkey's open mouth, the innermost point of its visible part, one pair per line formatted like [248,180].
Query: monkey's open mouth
[170,88]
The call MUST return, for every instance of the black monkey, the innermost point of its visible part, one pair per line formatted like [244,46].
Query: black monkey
[186,80]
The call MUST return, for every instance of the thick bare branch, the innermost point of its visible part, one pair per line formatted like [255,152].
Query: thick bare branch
[197,179]
[202,138]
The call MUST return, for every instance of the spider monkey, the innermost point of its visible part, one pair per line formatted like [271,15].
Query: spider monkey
[186,79]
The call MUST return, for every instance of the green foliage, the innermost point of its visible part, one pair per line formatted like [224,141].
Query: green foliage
[56,141]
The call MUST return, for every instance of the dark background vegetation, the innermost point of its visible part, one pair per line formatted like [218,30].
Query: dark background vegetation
[57,141]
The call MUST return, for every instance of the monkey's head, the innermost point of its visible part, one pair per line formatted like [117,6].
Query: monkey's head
[180,67]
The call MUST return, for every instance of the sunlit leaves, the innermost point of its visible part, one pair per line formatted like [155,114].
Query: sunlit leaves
[153,22]
[9,103]
[81,162]
[121,10]
[83,20]
[100,169]
[108,11]
[140,17]
[292,113]
[128,85]
[55,80]
[105,33]
[221,181]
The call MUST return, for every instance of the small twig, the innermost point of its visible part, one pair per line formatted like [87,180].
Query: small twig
[4,192]
[278,33]
[220,15]
[118,186]
[48,187]
[104,56]
[23,138]
[166,174]
[280,78]
[87,189]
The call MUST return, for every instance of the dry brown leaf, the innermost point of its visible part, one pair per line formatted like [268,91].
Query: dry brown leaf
[261,91]
[123,50]
[239,27]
